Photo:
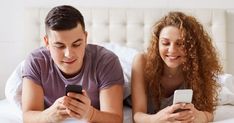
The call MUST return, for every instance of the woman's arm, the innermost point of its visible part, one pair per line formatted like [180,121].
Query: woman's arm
[200,116]
[209,116]
[203,117]
[139,97]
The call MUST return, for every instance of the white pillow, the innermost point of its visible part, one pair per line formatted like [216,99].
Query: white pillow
[126,55]
[13,89]
[226,94]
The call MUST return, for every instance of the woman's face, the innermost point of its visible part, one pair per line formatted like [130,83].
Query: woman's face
[171,47]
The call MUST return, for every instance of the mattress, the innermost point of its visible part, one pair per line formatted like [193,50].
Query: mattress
[11,114]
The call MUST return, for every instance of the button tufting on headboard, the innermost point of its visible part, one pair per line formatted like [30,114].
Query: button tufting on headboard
[129,27]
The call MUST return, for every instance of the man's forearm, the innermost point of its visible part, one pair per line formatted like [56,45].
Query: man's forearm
[35,116]
[105,117]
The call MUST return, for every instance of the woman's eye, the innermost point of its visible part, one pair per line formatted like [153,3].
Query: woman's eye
[180,44]
[165,43]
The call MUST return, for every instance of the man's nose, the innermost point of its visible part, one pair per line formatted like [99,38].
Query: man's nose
[68,53]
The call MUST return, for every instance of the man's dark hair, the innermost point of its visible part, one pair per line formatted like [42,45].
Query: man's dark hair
[63,17]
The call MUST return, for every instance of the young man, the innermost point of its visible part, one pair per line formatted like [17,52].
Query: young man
[68,59]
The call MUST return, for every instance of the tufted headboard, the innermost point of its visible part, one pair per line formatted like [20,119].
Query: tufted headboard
[127,27]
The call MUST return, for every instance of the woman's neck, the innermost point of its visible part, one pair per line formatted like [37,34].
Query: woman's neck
[172,72]
[171,80]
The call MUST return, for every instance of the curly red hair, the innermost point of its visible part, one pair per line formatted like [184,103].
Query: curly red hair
[202,64]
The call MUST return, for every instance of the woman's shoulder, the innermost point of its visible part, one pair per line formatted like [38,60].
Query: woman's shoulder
[140,57]
[139,60]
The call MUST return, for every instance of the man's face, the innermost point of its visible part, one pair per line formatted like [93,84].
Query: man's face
[67,48]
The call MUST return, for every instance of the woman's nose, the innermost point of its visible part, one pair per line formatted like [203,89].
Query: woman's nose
[172,48]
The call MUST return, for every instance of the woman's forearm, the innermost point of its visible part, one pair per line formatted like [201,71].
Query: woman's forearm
[140,117]
[209,116]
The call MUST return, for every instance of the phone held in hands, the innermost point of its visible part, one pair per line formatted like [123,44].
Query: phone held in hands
[73,88]
[182,96]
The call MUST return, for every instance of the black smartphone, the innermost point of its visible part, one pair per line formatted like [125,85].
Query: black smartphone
[73,88]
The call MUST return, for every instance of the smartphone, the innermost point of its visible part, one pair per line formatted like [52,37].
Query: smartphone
[73,88]
[182,96]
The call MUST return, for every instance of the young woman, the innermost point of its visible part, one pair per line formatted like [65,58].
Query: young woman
[180,56]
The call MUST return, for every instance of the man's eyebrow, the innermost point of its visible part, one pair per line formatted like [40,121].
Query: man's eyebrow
[60,43]
[57,42]
[78,40]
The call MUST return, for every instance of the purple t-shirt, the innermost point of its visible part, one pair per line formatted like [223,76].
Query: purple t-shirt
[101,69]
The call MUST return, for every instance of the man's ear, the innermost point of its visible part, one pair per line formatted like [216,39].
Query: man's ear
[46,41]
[86,37]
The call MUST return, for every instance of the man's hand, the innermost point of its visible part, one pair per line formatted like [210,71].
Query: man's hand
[57,112]
[79,106]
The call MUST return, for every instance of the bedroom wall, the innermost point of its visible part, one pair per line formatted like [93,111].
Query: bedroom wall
[230,37]
[11,24]
[11,36]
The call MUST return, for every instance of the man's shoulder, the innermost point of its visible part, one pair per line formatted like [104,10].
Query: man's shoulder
[41,51]
[39,55]
[100,50]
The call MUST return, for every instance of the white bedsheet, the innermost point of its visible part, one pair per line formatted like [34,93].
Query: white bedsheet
[9,113]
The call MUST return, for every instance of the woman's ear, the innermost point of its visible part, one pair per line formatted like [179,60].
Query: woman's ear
[46,41]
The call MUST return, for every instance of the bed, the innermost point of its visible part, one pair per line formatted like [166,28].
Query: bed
[125,31]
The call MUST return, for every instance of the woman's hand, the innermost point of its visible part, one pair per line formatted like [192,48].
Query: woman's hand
[79,106]
[199,116]
[168,115]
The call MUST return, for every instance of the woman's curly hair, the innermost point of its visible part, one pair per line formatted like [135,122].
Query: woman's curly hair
[201,68]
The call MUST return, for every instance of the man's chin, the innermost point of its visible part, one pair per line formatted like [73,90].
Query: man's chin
[69,74]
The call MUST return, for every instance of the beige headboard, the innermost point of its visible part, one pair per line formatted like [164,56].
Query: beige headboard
[128,27]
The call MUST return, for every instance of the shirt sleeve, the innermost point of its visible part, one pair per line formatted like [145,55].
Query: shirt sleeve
[31,69]
[110,71]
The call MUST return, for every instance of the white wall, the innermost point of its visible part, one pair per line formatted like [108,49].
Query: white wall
[11,23]
[230,36]
[138,3]
[11,36]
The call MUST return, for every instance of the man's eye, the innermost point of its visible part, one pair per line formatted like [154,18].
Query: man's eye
[60,46]
[76,45]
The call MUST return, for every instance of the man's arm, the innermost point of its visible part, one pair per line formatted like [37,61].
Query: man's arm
[111,105]
[33,105]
